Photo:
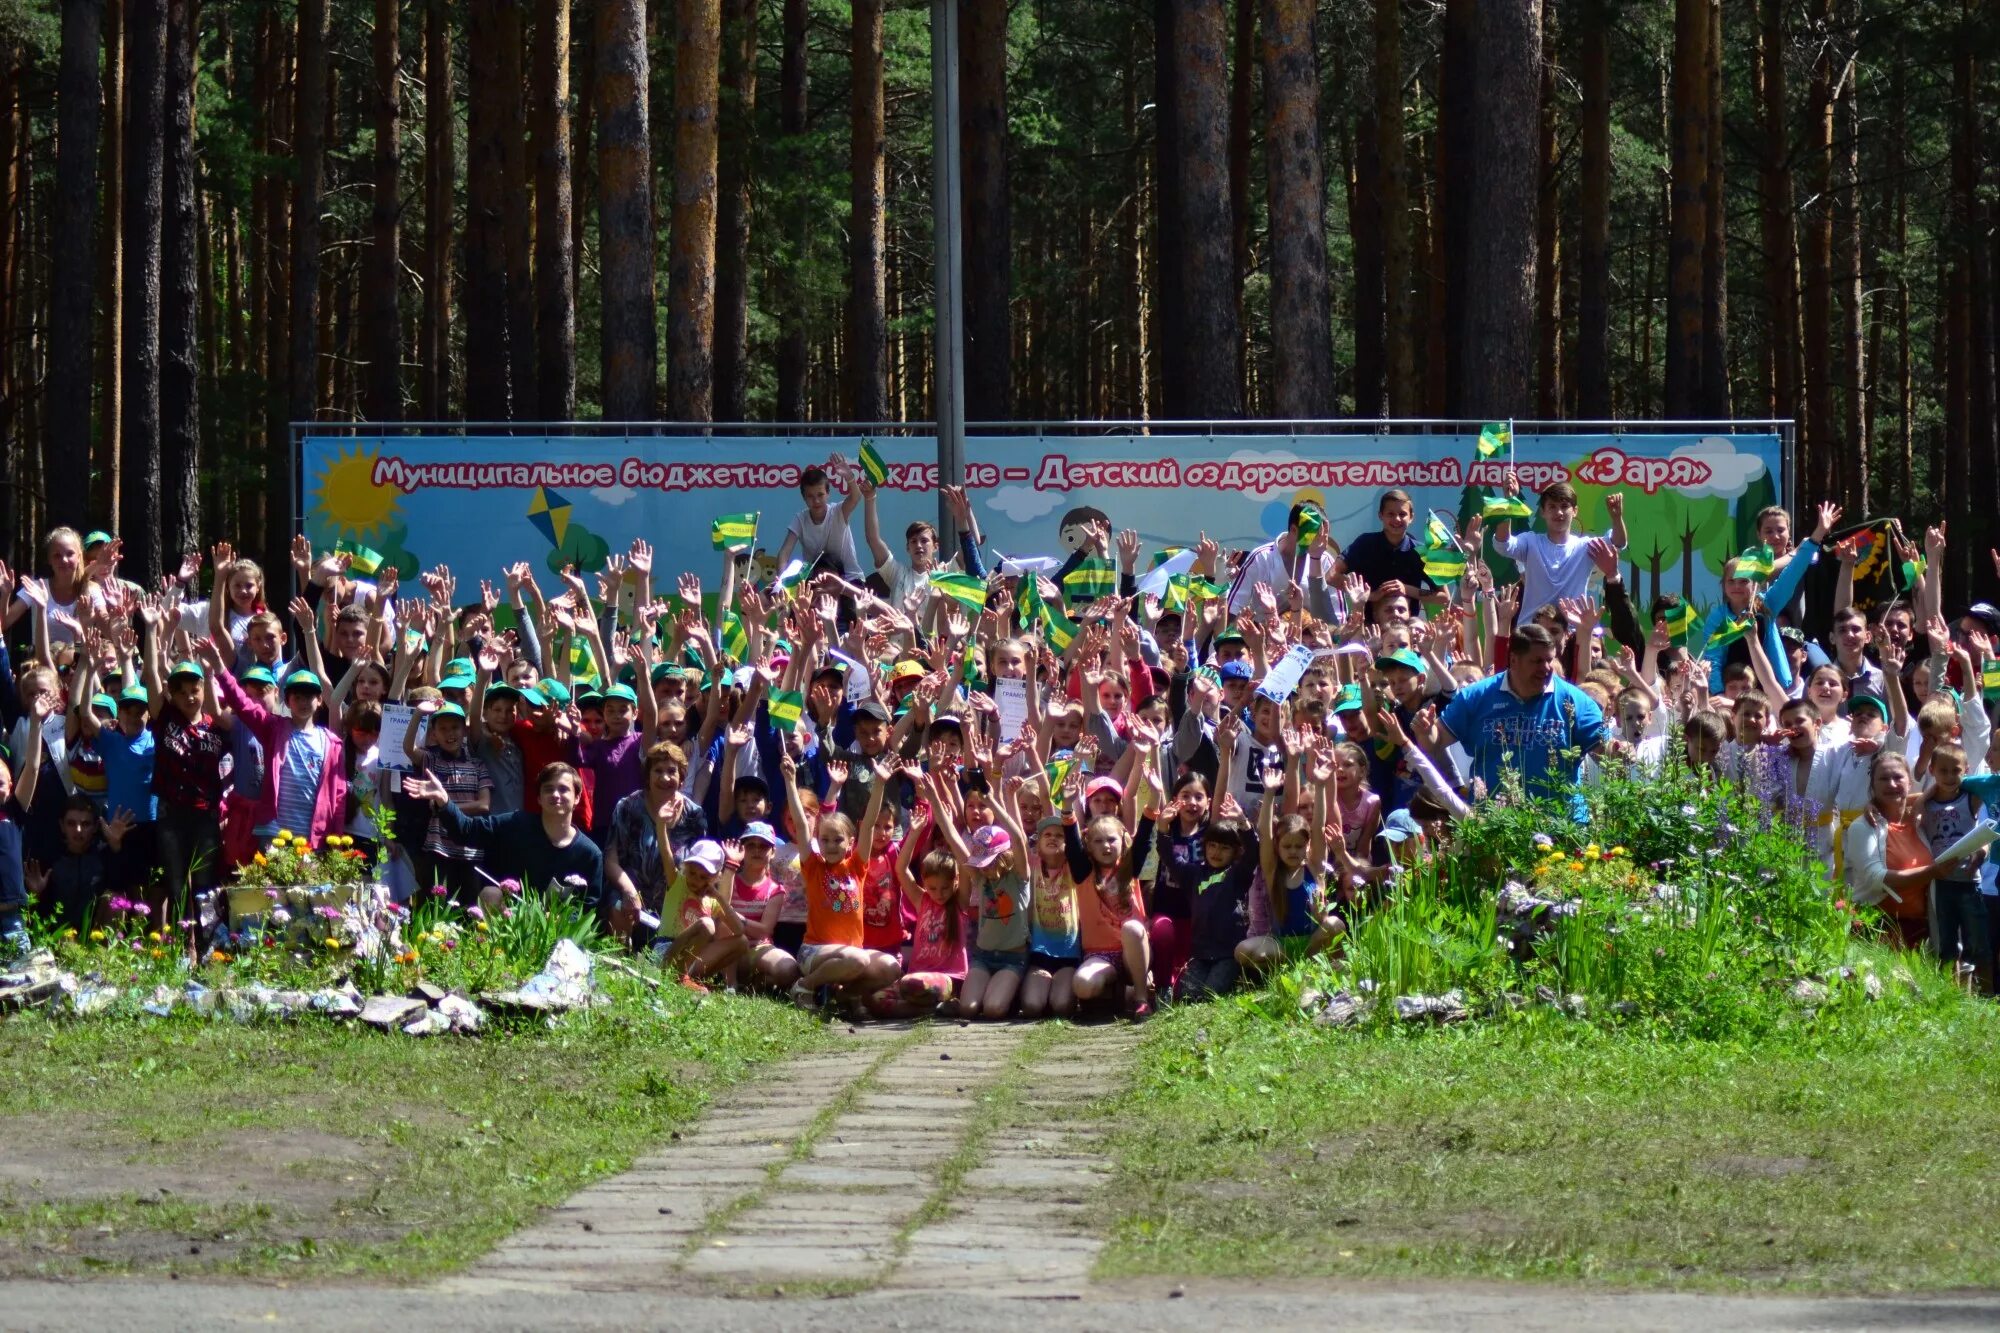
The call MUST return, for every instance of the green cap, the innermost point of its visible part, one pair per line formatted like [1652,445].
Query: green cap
[500,689]
[1864,699]
[1229,636]
[458,666]
[258,675]
[449,710]
[530,696]
[95,537]
[590,697]
[132,694]
[554,691]
[187,669]
[303,679]
[455,681]
[104,701]
[668,671]
[624,692]
[1348,700]
[1402,657]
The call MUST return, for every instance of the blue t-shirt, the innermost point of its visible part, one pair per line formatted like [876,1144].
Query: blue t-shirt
[303,762]
[1544,739]
[128,771]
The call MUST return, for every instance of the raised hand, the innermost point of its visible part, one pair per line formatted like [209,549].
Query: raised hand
[640,558]
[1829,514]
[1128,548]
[425,787]
[1605,556]
[836,773]
[1614,505]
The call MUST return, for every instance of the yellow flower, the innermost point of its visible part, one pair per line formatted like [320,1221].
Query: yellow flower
[499,952]
[1592,852]
[97,937]
[259,859]
[154,936]
[157,953]
[69,934]
[481,925]
[1619,851]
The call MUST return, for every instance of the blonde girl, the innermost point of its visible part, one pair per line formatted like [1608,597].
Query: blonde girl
[1290,917]
[1104,860]
[936,892]
[991,862]
[832,867]
[1054,939]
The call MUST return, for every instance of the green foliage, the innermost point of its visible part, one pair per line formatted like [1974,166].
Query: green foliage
[580,547]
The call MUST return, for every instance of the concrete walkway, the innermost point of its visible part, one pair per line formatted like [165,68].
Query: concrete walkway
[907,1159]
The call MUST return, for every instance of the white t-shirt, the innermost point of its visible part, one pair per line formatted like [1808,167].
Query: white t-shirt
[830,537]
[1550,571]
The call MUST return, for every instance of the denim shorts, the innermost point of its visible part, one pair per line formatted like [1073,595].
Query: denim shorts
[1049,963]
[987,960]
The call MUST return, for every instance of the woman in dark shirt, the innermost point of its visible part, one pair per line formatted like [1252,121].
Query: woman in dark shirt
[537,847]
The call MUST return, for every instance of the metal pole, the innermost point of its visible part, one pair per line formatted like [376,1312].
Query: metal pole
[946,208]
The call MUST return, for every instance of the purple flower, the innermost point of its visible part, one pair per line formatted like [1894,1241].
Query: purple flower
[272,894]
[121,904]
[510,885]
[476,913]
[327,913]
[437,890]
[143,909]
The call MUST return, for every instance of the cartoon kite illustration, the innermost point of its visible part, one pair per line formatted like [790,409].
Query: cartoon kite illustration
[549,512]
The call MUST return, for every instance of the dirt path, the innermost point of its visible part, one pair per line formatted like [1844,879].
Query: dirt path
[906,1160]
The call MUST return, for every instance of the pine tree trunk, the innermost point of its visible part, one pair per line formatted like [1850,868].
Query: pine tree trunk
[1899,183]
[104,458]
[439,171]
[1170,305]
[1715,396]
[1301,304]
[1497,185]
[1211,388]
[988,231]
[1781,271]
[1855,366]
[691,260]
[867,331]
[518,215]
[74,263]
[788,292]
[1391,190]
[1455,205]
[1688,210]
[309,117]
[1548,273]
[555,260]
[1593,303]
[382,315]
[145,166]
[625,214]
[1242,129]
[275,502]
[180,301]
[488,358]
[1816,432]
[736,137]
[583,183]
[1364,222]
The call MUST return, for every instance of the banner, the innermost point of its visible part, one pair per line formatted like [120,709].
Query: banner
[475,503]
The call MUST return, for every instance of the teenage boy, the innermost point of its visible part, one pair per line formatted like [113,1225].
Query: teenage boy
[1959,925]
[820,530]
[1555,563]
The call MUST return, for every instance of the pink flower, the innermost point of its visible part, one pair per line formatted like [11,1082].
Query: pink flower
[143,909]
[121,904]
[272,894]
[326,912]
[437,890]
[476,913]
[510,885]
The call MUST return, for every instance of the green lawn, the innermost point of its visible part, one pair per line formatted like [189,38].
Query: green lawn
[1864,1159]
[308,1149]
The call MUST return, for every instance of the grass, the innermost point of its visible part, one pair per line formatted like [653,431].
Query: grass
[1857,1153]
[311,1150]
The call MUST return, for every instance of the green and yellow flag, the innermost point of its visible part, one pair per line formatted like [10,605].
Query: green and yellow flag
[1495,437]
[733,532]
[735,638]
[1755,563]
[872,465]
[1729,631]
[1439,536]
[1058,628]
[1989,681]
[786,708]
[359,558]
[1445,566]
[964,589]
[1310,522]
[1089,581]
[1058,773]
[1913,573]
[1505,506]
[582,662]
[1679,618]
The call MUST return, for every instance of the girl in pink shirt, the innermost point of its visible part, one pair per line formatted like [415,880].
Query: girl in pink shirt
[937,945]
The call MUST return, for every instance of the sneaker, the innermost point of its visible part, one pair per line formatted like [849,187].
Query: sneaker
[1141,1013]
[689,983]
[802,996]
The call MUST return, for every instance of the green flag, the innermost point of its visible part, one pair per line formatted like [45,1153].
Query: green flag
[1755,563]
[1989,681]
[786,708]
[1439,536]
[1506,506]
[1059,628]
[735,638]
[1058,773]
[1444,566]
[964,589]
[1495,437]
[1310,522]
[1729,631]
[872,465]
[1089,581]
[360,559]
[733,532]
[582,662]
[1913,573]
[1679,618]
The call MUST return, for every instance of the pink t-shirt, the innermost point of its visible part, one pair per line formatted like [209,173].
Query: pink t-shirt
[882,903]
[748,899]
[934,946]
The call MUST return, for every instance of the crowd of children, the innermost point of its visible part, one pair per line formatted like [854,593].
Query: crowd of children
[1057,784]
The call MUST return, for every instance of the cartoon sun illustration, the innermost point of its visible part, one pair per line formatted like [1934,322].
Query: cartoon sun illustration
[348,502]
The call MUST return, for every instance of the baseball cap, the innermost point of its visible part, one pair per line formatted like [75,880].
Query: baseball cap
[758,831]
[1864,699]
[1229,636]
[187,669]
[455,682]
[104,701]
[554,691]
[258,675]
[707,854]
[1348,700]
[589,697]
[449,710]
[988,845]
[871,708]
[95,537]
[1402,657]
[500,689]
[1096,785]
[1986,613]
[668,671]
[833,665]
[134,693]
[1401,824]
[303,679]
[458,666]
[1235,671]
[530,695]
[907,670]
[624,692]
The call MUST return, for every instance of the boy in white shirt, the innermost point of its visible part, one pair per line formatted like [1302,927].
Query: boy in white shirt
[1554,564]
[820,531]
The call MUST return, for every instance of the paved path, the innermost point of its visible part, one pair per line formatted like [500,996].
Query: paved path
[904,1160]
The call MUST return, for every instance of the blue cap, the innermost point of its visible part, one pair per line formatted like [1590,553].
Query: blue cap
[1401,824]
[1237,670]
[758,831]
